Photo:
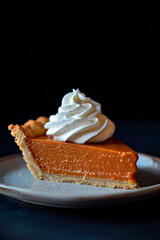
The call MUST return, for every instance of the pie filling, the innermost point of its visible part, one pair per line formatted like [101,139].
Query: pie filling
[110,159]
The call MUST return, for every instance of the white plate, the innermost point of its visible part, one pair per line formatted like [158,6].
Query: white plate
[16,181]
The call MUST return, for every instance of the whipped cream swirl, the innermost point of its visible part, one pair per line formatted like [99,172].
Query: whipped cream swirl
[79,120]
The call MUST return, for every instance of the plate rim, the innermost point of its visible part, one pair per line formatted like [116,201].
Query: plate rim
[9,190]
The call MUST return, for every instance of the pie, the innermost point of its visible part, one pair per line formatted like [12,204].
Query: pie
[110,163]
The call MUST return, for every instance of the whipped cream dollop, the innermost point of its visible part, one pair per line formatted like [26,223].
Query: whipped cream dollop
[79,120]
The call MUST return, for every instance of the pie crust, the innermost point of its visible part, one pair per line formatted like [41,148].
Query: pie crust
[33,132]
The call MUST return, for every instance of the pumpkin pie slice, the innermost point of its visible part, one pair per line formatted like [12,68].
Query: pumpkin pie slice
[109,163]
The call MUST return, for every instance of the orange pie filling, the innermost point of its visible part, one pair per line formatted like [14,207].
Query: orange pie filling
[110,159]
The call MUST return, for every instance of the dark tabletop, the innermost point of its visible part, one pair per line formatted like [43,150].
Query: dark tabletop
[138,220]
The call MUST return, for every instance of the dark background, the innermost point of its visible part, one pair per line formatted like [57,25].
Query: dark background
[112,59]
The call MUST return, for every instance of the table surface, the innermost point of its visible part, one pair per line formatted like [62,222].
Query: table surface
[138,220]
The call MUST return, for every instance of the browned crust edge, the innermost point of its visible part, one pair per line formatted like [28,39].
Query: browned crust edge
[32,128]
[20,139]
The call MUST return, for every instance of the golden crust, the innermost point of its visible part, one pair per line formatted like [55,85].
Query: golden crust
[32,128]
[87,180]
[20,139]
